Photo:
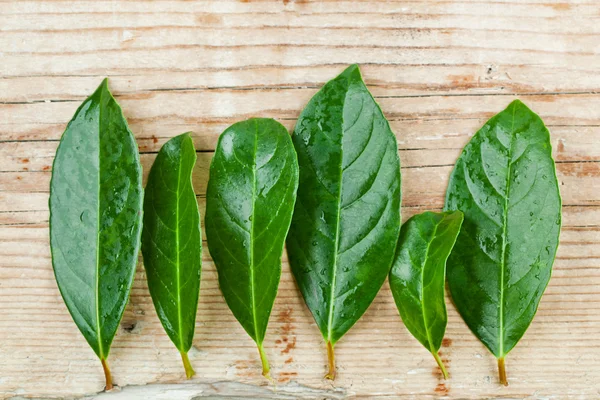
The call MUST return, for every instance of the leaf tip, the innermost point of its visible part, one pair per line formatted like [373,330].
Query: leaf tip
[518,104]
[104,85]
[103,90]
[352,72]
[459,215]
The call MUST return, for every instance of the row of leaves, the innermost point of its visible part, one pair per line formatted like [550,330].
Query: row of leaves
[332,192]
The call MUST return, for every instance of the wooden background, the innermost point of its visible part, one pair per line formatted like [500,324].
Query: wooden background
[439,70]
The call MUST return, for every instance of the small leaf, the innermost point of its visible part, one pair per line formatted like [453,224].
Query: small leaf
[172,242]
[418,276]
[505,184]
[96,218]
[249,203]
[347,217]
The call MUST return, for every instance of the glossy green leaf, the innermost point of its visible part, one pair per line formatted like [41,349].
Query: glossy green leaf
[96,218]
[418,276]
[172,242]
[505,184]
[249,204]
[347,217]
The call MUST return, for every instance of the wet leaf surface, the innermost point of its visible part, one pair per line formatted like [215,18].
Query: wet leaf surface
[418,275]
[347,216]
[96,218]
[505,184]
[250,199]
[172,243]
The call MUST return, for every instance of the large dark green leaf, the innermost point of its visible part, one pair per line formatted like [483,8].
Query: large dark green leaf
[96,218]
[347,217]
[418,276]
[505,184]
[171,242]
[250,200]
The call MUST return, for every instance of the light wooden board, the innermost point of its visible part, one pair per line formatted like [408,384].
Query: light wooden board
[439,70]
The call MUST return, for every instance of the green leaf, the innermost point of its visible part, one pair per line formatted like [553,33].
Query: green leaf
[347,218]
[418,276]
[505,184]
[249,203]
[96,218]
[172,242]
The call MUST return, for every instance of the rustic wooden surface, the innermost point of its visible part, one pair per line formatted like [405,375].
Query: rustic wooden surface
[439,70]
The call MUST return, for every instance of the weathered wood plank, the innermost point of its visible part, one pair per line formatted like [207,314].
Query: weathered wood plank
[208,113]
[579,184]
[439,70]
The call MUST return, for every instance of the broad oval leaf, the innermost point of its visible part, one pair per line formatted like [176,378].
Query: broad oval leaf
[418,276]
[347,217]
[249,203]
[505,184]
[96,218]
[172,242]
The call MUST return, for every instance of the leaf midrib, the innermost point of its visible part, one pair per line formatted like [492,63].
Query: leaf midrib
[97,297]
[178,269]
[337,228]
[433,237]
[253,299]
[504,224]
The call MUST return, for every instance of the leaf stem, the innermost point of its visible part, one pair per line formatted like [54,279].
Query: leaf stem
[330,361]
[265,362]
[502,372]
[107,375]
[440,364]
[189,371]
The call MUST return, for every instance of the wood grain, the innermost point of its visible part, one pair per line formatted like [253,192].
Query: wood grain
[439,70]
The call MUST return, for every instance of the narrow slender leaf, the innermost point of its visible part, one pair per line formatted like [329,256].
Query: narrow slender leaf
[418,276]
[249,203]
[96,218]
[505,184]
[347,218]
[172,242]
